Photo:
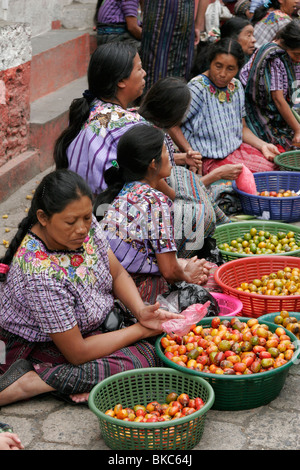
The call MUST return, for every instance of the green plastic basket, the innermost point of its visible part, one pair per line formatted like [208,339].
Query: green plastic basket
[142,386]
[270,316]
[288,161]
[228,232]
[240,392]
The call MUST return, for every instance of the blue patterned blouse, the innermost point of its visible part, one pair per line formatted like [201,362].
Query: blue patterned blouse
[213,124]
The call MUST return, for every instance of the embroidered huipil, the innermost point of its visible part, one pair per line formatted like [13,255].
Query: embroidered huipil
[278,74]
[267,28]
[138,225]
[213,124]
[92,151]
[52,291]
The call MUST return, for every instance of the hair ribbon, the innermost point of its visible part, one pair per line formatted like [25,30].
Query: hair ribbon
[4,268]
[115,164]
[88,95]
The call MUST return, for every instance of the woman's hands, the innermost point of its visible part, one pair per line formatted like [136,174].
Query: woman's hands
[227,172]
[196,270]
[194,160]
[152,317]
[269,151]
[296,139]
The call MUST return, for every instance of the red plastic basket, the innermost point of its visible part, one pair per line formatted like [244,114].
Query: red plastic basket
[229,306]
[230,275]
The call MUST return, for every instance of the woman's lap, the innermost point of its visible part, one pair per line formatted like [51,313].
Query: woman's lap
[251,157]
[66,378]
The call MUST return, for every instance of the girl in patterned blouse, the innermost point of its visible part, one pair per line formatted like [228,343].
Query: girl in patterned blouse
[270,18]
[139,221]
[59,280]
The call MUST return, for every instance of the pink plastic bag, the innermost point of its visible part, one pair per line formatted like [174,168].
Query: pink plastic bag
[246,182]
[193,314]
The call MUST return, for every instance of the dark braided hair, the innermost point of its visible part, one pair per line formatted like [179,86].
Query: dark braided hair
[54,193]
[109,64]
[290,35]
[261,11]
[227,46]
[166,103]
[136,149]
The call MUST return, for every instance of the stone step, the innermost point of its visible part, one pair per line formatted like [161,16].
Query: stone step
[49,117]
[17,171]
[57,75]
[58,58]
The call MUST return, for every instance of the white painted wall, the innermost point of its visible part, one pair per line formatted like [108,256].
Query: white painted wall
[39,14]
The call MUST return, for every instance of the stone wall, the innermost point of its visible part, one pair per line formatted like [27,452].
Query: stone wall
[15,60]
[44,15]
[20,20]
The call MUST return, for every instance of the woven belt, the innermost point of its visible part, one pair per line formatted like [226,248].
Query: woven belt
[111,29]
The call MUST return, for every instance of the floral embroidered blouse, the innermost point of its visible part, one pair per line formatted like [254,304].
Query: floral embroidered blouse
[213,124]
[95,147]
[138,224]
[267,28]
[52,291]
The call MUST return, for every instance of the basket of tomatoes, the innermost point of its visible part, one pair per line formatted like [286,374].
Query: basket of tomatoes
[244,239]
[276,196]
[245,361]
[154,408]
[264,284]
[289,320]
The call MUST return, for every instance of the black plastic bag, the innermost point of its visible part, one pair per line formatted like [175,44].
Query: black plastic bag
[181,295]
[211,252]
[119,317]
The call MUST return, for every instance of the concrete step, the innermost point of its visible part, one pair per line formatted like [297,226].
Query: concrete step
[58,75]
[58,58]
[17,171]
[49,117]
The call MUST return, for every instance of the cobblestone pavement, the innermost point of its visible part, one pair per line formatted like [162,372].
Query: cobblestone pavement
[44,423]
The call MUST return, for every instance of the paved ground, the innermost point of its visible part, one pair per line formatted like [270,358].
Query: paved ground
[44,423]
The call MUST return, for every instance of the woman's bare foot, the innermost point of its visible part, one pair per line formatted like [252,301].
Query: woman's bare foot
[27,386]
[80,397]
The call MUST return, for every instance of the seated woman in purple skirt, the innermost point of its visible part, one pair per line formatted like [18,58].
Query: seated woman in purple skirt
[117,20]
[59,281]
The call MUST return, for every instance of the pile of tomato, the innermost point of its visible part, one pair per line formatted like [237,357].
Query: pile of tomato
[231,347]
[174,407]
[280,193]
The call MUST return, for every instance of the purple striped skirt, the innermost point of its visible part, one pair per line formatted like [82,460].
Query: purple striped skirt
[66,378]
